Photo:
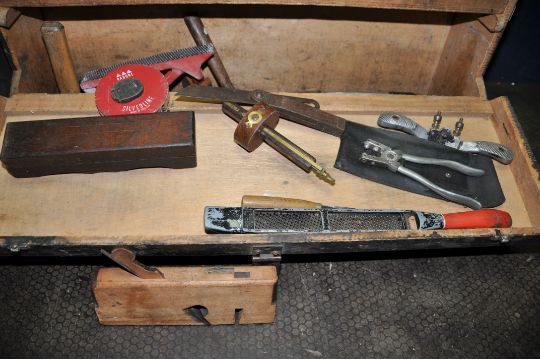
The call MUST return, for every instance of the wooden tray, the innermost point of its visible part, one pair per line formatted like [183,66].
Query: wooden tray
[406,46]
[161,210]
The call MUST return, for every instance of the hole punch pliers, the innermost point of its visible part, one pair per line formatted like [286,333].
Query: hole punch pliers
[379,154]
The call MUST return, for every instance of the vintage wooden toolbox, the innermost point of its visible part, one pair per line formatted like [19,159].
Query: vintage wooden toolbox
[358,58]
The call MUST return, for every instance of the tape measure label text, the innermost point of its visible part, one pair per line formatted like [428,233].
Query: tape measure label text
[140,106]
[124,75]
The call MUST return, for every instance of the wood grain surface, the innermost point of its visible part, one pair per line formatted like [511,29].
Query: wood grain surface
[475,6]
[165,202]
[54,37]
[124,299]
[367,45]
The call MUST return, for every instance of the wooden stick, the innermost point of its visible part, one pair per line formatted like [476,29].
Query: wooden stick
[55,40]
[201,37]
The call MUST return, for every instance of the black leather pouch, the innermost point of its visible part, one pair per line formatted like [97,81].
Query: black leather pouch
[486,189]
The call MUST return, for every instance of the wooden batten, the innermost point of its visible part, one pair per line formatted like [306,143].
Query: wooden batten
[473,6]
[49,105]
[226,295]
[526,171]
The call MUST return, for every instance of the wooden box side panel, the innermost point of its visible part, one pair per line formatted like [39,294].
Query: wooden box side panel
[29,52]
[469,47]
[376,49]
[317,50]
[526,170]
[124,299]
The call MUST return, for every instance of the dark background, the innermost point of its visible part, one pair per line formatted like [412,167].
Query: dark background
[455,303]
[516,57]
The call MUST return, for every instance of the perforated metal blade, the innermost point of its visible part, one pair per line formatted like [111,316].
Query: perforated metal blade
[150,60]
[325,220]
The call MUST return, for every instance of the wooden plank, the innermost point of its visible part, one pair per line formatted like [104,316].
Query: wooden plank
[290,244]
[283,239]
[524,167]
[354,39]
[84,104]
[225,292]
[164,202]
[474,6]
[464,53]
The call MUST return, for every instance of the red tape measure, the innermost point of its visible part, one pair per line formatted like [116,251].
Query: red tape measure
[132,89]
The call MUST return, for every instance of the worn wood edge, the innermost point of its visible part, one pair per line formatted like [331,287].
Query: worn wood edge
[244,245]
[84,104]
[267,319]
[16,75]
[495,25]
[134,283]
[3,102]
[470,6]
[221,239]
[8,16]
[264,274]
[193,282]
[524,166]
[481,87]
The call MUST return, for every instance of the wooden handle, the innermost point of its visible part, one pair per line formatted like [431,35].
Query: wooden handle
[254,201]
[201,37]
[478,219]
[55,41]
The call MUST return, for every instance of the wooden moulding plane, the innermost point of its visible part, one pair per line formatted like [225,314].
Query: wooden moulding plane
[194,295]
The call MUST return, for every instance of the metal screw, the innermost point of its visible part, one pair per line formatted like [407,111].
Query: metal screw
[275,253]
[436,120]
[459,127]
[448,175]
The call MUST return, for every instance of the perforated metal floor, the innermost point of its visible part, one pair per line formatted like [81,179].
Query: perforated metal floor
[460,306]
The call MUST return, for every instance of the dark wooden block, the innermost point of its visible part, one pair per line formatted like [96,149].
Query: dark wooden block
[99,144]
